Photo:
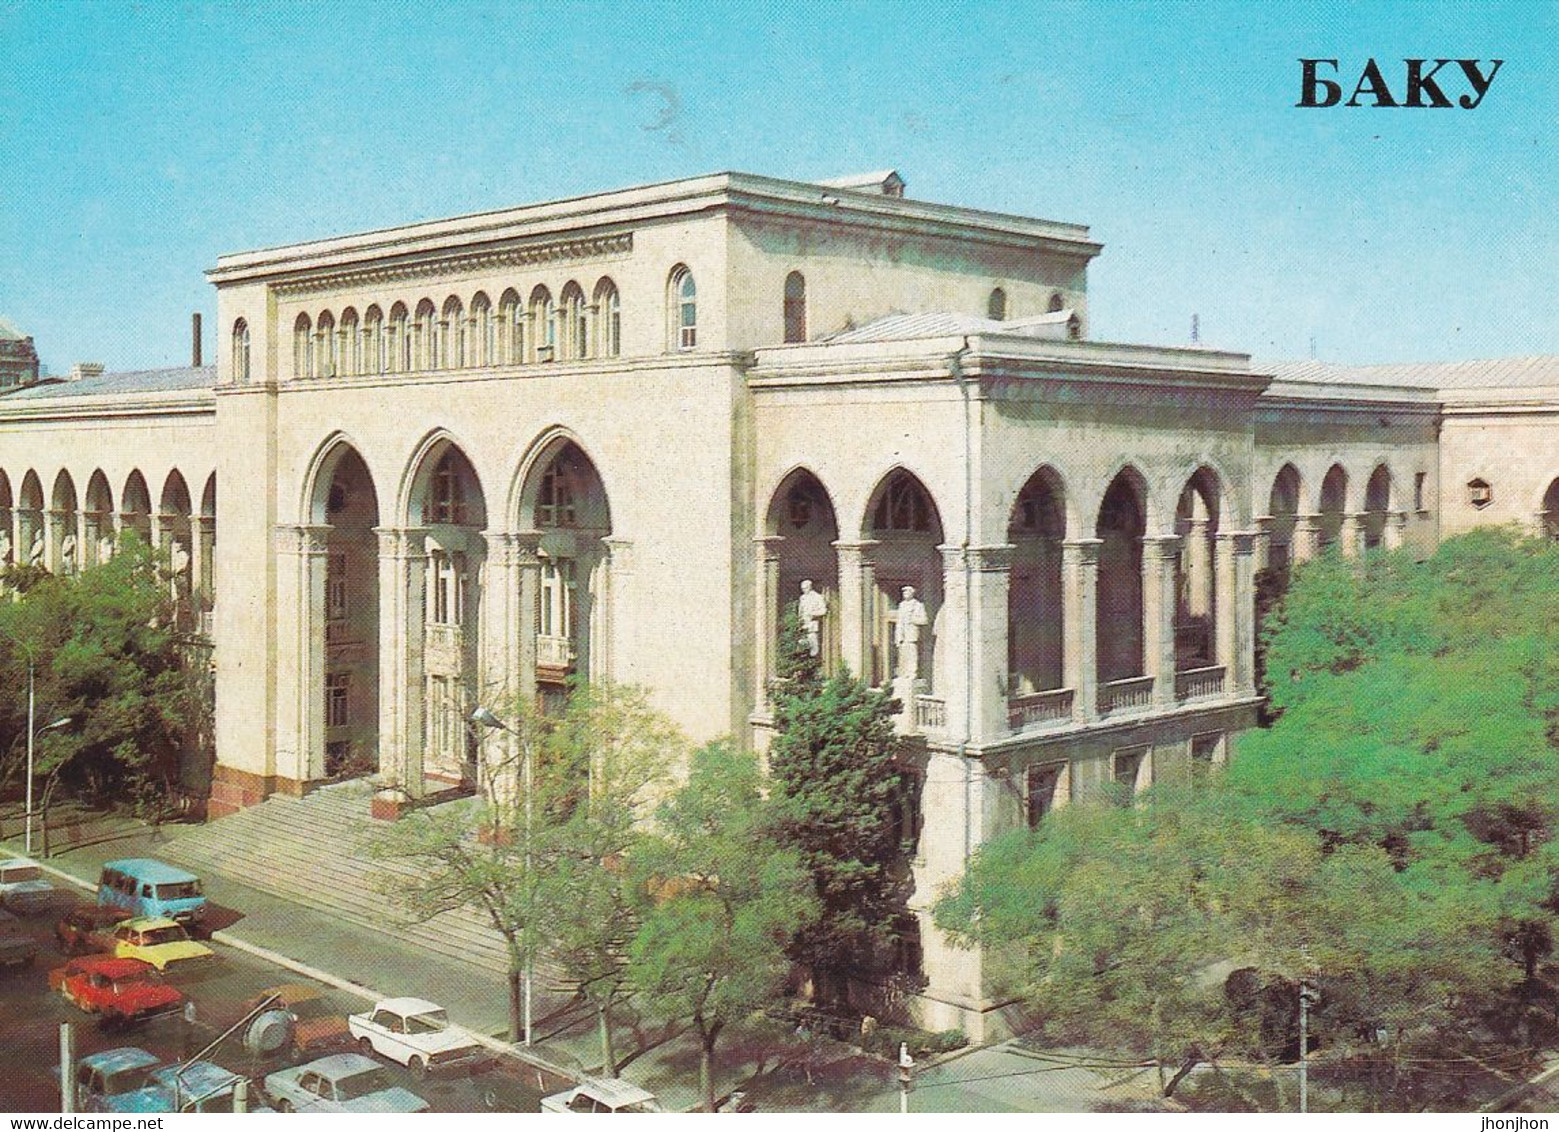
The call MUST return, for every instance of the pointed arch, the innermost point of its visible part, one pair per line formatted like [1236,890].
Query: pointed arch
[1285,502]
[440,485]
[483,348]
[903,519]
[608,318]
[1120,527]
[1379,502]
[1036,530]
[795,311]
[1198,518]
[452,335]
[575,322]
[803,526]
[1332,505]
[351,349]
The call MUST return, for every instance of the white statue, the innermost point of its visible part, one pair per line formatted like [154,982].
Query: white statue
[105,548]
[179,559]
[35,555]
[68,554]
[907,622]
[812,608]
[5,547]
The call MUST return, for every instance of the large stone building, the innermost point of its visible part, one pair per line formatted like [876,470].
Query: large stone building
[18,357]
[462,461]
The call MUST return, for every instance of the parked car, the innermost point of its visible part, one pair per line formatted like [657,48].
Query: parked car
[87,928]
[342,1082]
[317,1026]
[160,942]
[17,948]
[417,1033]
[102,1079]
[119,990]
[602,1094]
[23,887]
[140,886]
[198,1086]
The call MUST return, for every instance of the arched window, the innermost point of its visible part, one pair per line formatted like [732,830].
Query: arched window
[325,355]
[446,495]
[302,347]
[795,307]
[374,357]
[684,299]
[903,506]
[351,345]
[511,328]
[609,319]
[452,331]
[543,316]
[576,329]
[482,351]
[241,351]
[398,346]
[996,305]
[426,333]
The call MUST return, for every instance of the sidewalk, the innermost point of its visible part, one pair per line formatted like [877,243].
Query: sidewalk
[765,1060]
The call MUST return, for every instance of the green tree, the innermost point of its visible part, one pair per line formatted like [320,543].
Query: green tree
[104,653]
[834,759]
[724,896]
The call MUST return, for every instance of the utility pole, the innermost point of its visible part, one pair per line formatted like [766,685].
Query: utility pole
[906,1078]
[67,1070]
[31,735]
[1307,997]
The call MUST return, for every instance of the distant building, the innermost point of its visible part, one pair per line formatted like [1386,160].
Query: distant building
[18,358]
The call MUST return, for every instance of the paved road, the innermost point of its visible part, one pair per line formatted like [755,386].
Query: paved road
[30,1015]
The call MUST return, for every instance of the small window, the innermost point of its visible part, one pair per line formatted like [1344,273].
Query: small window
[338,687]
[1040,791]
[795,307]
[1419,480]
[684,294]
[241,351]
[543,316]
[1128,770]
[1480,493]
[996,305]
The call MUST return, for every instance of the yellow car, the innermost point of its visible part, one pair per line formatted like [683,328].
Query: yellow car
[158,941]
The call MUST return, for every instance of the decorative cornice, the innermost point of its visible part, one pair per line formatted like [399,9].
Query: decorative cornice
[591,247]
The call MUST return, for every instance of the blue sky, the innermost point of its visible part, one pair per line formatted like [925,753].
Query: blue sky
[142,140]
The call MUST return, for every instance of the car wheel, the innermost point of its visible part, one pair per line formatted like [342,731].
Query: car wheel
[284,1105]
[366,1046]
[418,1067]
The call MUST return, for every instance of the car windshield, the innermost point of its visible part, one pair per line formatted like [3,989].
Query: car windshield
[126,982]
[184,890]
[361,1084]
[430,1023]
[127,1080]
[170,934]
[17,875]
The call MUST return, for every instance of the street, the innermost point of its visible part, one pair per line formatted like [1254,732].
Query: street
[32,1014]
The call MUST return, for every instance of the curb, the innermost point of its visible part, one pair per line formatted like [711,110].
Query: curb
[276,958]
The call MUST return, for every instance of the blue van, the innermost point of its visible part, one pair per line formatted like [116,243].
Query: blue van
[140,886]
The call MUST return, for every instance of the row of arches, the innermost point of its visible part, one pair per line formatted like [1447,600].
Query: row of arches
[1298,528]
[457,334]
[66,531]
[902,545]
[545,584]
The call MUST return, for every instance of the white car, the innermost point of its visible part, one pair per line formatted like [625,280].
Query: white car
[23,887]
[602,1094]
[417,1033]
[342,1082]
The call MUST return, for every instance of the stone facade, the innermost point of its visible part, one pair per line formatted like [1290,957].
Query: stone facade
[464,461]
[18,357]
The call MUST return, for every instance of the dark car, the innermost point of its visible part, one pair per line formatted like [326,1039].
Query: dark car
[17,948]
[87,928]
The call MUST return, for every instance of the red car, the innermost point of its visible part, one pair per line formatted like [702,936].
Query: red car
[120,990]
[87,928]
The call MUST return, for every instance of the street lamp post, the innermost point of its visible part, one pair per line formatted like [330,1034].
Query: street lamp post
[485,718]
[32,734]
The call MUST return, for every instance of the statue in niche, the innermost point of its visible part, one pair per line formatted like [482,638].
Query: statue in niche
[35,555]
[5,548]
[908,619]
[68,554]
[105,547]
[812,607]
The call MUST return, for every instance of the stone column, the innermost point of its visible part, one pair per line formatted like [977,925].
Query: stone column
[1264,542]
[52,539]
[971,648]
[303,552]
[203,529]
[857,597]
[1307,538]
[1240,661]
[1227,643]
[766,550]
[1198,569]
[1080,601]
[403,563]
[1159,557]
[1351,536]
[527,576]
[1395,533]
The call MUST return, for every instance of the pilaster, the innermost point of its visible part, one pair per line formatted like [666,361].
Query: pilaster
[1160,555]
[1080,599]
[857,590]
[1306,538]
[403,560]
[766,551]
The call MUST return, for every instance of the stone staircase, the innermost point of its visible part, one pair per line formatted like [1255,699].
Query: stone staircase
[313,851]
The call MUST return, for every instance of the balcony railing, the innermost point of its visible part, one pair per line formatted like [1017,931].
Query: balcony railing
[1199,682]
[930,713]
[1039,709]
[445,637]
[1126,695]
[206,625]
[554,652]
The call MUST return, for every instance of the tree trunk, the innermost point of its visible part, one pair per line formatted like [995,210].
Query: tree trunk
[603,1012]
[516,1010]
[706,1074]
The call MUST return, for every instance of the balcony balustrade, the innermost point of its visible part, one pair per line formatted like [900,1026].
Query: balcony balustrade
[1134,694]
[1040,709]
[1198,683]
[554,652]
